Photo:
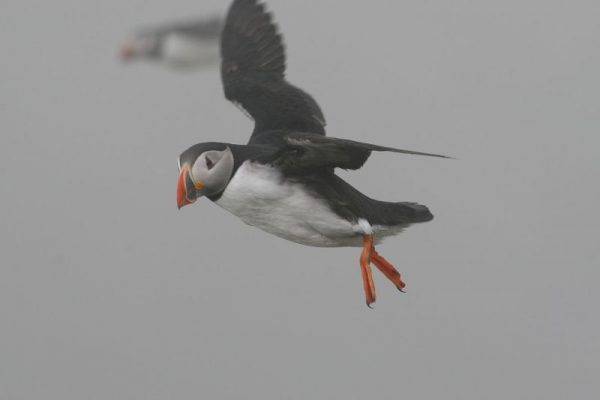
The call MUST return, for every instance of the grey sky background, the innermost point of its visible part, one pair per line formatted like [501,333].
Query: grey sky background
[107,291]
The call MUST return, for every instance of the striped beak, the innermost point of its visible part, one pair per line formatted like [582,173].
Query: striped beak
[187,189]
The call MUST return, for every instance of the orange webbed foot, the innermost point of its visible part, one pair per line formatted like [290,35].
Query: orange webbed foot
[387,269]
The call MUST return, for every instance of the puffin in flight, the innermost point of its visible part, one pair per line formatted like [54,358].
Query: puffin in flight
[183,45]
[283,181]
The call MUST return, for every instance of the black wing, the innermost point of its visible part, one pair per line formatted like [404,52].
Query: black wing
[205,28]
[303,153]
[253,73]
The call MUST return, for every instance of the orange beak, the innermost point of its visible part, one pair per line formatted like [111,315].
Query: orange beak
[182,199]
[183,196]
[127,52]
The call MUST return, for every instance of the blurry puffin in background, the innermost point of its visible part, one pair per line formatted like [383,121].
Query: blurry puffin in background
[183,45]
[283,180]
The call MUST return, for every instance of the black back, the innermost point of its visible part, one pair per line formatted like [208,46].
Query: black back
[349,203]
[203,28]
[342,198]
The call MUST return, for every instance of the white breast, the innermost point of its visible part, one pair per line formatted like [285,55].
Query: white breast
[261,197]
[186,52]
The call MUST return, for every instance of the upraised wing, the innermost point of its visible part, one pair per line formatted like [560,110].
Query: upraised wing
[303,153]
[253,74]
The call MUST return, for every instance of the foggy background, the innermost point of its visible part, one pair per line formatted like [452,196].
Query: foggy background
[107,291]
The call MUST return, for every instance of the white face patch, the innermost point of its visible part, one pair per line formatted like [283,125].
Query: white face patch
[213,170]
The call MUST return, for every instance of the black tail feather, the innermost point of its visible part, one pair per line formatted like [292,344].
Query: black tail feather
[415,212]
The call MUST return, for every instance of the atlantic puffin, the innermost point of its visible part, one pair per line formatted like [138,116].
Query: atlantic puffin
[283,181]
[183,45]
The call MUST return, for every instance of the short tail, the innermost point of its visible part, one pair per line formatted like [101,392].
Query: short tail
[414,212]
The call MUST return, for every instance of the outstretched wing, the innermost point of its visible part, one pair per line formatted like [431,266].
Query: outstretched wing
[253,74]
[303,153]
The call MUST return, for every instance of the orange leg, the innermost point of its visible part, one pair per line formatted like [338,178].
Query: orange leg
[365,259]
[387,269]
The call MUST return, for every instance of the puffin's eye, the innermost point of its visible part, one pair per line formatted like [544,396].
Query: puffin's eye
[209,163]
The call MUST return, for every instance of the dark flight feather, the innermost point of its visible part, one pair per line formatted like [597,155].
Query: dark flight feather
[253,74]
[302,153]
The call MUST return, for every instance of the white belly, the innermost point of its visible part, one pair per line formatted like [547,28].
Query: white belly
[260,196]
